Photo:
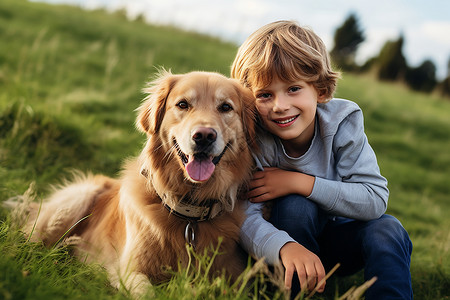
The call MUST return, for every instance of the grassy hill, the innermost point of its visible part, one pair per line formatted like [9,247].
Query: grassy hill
[69,83]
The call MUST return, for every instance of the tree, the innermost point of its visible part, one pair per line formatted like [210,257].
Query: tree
[444,86]
[422,78]
[391,61]
[346,41]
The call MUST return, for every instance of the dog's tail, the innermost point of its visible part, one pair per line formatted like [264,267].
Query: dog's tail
[68,206]
[51,220]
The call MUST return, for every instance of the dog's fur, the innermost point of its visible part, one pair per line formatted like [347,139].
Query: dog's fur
[123,224]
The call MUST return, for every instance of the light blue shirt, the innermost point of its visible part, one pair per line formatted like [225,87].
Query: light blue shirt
[347,183]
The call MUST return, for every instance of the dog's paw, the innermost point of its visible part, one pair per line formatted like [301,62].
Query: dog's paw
[137,285]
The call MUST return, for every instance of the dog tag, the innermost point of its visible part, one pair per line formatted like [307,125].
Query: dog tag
[189,234]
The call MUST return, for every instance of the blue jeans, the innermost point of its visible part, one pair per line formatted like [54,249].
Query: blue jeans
[381,247]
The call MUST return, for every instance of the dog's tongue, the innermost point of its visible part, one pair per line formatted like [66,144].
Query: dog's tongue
[200,169]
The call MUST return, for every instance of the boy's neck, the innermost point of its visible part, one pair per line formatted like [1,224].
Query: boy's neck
[295,151]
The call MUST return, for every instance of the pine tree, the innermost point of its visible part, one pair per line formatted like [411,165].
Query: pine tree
[391,61]
[422,78]
[444,86]
[347,39]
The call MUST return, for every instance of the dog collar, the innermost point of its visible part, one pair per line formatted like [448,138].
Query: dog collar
[206,210]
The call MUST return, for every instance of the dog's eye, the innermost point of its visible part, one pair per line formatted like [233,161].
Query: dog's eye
[225,107]
[183,104]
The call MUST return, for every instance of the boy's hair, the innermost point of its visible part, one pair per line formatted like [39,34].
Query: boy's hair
[288,51]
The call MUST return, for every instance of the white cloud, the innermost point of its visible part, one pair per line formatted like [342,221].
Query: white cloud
[439,31]
[429,40]
[424,25]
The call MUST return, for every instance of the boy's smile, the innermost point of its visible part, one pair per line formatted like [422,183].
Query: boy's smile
[288,110]
[284,122]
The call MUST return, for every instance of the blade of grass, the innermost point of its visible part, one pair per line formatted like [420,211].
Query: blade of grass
[71,227]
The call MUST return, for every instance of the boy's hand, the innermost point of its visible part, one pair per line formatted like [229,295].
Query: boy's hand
[308,266]
[274,183]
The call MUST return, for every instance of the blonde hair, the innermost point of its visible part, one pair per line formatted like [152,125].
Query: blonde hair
[288,51]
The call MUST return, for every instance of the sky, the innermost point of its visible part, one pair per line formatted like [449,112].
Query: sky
[425,24]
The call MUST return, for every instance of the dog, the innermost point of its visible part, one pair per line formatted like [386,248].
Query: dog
[186,187]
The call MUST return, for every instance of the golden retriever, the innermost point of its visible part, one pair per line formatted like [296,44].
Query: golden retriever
[185,187]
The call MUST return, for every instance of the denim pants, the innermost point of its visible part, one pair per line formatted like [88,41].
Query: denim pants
[381,247]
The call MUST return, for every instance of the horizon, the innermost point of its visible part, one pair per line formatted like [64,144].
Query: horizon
[424,27]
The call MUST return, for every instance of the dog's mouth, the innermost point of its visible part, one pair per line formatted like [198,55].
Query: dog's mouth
[200,166]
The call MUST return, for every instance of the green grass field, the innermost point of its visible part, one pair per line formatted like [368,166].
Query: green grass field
[69,83]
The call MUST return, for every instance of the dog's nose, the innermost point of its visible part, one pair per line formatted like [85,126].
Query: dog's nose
[204,136]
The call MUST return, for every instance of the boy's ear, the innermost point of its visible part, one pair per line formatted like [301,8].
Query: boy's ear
[152,110]
[321,96]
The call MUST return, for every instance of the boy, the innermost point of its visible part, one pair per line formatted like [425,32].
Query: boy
[318,166]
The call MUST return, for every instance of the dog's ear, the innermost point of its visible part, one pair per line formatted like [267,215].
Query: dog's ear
[152,110]
[248,114]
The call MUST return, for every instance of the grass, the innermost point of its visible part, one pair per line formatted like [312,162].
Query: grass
[410,132]
[69,83]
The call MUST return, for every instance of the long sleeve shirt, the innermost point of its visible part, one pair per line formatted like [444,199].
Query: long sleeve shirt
[347,183]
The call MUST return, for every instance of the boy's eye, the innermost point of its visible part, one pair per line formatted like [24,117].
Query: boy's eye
[294,89]
[263,96]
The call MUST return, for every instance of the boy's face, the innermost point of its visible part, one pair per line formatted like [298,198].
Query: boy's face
[288,110]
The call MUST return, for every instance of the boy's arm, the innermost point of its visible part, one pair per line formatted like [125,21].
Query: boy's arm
[361,193]
[259,237]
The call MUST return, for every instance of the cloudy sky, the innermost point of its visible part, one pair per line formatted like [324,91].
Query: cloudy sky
[424,24]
